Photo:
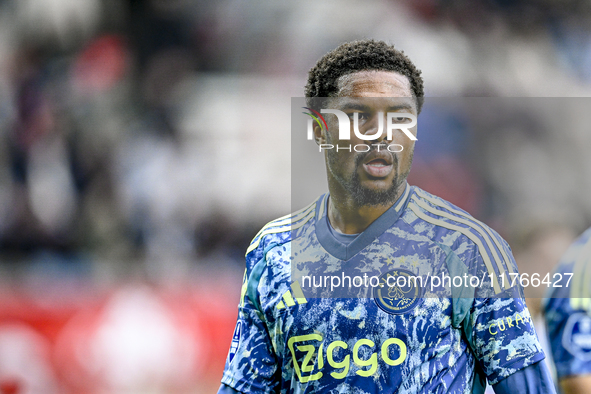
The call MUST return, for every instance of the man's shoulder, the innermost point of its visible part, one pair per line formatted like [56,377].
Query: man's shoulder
[455,230]
[280,231]
[429,208]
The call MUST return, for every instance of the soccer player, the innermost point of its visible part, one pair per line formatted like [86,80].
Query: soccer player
[567,311]
[373,333]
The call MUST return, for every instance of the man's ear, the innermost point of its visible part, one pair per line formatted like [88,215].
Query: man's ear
[319,136]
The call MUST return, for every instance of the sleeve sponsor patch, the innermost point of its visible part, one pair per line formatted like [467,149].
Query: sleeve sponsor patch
[576,338]
[235,340]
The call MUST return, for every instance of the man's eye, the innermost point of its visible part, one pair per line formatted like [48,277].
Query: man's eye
[401,119]
[360,115]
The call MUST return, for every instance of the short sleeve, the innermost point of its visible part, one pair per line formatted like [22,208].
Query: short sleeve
[503,337]
[251,365]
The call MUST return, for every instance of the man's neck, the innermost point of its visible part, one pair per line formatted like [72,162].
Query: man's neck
[349,218]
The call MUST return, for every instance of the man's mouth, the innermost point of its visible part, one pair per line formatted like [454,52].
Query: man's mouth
[378,167]
[377,163]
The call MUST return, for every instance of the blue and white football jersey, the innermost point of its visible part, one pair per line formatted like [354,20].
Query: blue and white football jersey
[297,333]
[567,310]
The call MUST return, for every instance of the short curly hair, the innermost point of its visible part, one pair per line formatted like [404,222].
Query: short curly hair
[360,55]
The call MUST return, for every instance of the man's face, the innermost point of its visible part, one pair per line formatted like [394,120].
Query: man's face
[375,176]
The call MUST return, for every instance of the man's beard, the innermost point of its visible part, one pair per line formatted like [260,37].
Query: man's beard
[363,196]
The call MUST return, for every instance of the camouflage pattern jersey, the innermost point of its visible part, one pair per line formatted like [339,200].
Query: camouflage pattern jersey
[298,334]
[567,310]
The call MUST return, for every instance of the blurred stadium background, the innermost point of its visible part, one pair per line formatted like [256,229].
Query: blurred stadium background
[145,142]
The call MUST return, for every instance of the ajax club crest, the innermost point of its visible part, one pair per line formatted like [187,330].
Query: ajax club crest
[398,291]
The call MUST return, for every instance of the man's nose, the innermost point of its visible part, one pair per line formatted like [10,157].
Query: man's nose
[375,126]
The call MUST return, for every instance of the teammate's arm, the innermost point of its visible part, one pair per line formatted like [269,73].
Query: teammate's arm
[566,314]
[573,371]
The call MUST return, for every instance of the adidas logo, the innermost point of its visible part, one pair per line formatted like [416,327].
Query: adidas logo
[289,300]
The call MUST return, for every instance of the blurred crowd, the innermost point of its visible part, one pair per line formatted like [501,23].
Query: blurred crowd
[138,130]
[151,138]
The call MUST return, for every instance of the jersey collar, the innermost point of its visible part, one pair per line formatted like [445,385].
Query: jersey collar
[381,224]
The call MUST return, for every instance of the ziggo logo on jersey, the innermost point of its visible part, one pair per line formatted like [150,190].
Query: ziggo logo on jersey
[389,347]
[395,121]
